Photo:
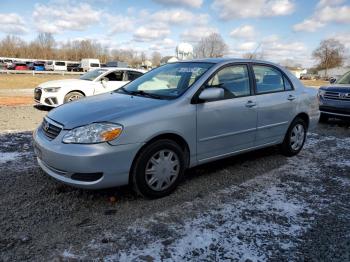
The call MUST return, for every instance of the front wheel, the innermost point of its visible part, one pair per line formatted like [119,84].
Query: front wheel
[295,138]
[158,169]
[72,96]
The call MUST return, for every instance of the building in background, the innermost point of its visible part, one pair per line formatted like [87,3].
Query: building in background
[297,71]
[335,72]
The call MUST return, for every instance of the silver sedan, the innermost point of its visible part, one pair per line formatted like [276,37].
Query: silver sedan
[177,116]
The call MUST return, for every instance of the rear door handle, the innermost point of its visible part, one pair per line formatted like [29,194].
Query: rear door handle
[250,104]
[291,98]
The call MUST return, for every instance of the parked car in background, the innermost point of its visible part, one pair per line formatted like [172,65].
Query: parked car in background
[55,93]
[116,64]
[89,64]
[36,66]
[334,99]
[72,66]
[20,66]
[56,66]
[176,116]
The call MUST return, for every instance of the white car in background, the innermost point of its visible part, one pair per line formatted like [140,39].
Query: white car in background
[56,66]
[98,81]
[88,64]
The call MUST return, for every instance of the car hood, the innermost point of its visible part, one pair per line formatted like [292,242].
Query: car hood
[64,82]
[337,88]
[101,108]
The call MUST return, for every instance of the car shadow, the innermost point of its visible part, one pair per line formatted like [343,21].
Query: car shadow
[43,108]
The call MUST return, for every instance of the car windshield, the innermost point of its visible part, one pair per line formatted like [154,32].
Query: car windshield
[168,81]
[93,74]
[345,79]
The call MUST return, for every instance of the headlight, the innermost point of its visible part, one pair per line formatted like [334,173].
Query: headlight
[321,92]
[52,89]
[93,133]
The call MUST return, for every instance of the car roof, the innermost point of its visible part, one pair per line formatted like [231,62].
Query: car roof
[124,68]
[227,60]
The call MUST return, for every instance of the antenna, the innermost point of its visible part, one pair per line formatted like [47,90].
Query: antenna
[256,49]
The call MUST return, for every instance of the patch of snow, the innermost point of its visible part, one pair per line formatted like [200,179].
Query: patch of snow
[9,156]
[273,211]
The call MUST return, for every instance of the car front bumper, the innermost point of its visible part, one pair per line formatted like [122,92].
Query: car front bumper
[336,108]
[41,97]
[100,165]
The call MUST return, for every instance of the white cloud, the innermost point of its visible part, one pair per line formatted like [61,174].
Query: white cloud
[53,18]
[12,23]
[166,45]
[234,9]
[187,3]
[120,23]
[323,3]
[248,46]
[326,12]
[273,48]
[151,32]
[194,34]
[245,32]
[179,16]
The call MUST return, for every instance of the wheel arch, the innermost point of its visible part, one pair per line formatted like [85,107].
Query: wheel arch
[178,139]
[75,90]
[304,116]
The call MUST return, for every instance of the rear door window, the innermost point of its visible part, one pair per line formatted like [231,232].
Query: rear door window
[269,80]
[132,75]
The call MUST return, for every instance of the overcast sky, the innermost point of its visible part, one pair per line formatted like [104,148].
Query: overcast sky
[283,29]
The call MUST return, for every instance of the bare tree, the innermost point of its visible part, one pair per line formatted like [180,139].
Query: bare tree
[330,54]
[11,46]
[45,43]
[211,46]
[155,59]
[251,55]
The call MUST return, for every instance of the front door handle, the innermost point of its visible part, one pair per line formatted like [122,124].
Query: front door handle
[250,104]
[291,98]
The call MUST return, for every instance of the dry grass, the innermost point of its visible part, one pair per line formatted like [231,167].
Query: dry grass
[28,81]
[317,83]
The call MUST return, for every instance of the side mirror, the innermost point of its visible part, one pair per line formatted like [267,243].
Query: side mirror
[332,80]
[211,94]
[104,80]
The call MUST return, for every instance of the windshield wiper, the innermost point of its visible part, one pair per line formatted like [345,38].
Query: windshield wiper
[140,93]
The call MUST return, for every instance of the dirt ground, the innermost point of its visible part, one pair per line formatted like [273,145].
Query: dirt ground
[259,206]
[12,81]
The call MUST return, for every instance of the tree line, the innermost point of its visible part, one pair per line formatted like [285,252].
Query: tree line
[330,53]
[45,47]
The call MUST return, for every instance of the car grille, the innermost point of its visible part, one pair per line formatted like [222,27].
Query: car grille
[337,96]
[50,129]
[37,94]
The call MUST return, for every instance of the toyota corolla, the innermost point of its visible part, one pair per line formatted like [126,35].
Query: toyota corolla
[177,116]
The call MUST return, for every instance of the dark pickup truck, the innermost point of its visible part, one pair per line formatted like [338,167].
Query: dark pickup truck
[335,99]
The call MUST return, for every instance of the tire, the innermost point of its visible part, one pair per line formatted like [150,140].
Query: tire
[152,181]
[323,118]
[72,96]
[298,130]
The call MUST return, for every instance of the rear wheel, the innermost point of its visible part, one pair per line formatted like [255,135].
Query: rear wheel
[72,96]
[323,118]
[158,169]
[295,138]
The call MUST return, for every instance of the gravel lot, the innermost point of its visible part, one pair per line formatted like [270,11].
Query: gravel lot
[258,206]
